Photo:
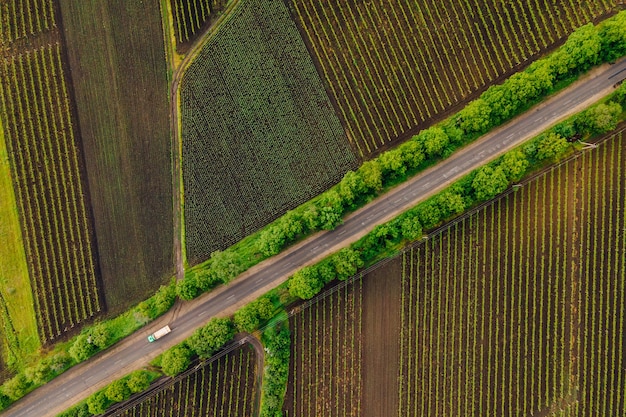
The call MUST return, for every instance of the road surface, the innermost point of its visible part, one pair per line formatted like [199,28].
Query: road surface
[135,351]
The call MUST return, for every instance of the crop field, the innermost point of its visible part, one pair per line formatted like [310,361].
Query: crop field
[325,375]
[19,19]
[46,164]
[191,16]
[224,387]
[259,133]
[392,66]
[519,309]
[515,310]
[116,56]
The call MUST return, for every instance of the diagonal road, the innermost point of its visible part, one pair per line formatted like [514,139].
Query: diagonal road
[135,352]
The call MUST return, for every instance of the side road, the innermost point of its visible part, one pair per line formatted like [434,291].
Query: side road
[135,351]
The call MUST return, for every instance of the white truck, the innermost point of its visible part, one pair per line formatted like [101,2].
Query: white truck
[159,333]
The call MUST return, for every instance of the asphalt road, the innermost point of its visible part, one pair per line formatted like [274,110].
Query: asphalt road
[135,351]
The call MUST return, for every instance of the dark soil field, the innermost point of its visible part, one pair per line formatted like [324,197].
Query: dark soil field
[118,69]
[394,66]
[259,133]
[223,387]
[514,310]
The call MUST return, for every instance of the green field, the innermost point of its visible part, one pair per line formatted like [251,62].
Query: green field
[17,314]
[259,133]
[395,66]
[118,67]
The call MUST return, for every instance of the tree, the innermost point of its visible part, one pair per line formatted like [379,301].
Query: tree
[412,153]
[100,335]
[175,360]
[138,381]
[98,403]
[599,119]
[392,164]
[271,240]
[249,317]
[434,140]
[163,299]
[208,339]
[410,227]
[346,262]
[291,225]
[582,48]
[117,391]
[187,288]
[475,117]
[428,214]
[351,188]
[514,165]
[551,146]
[489,182]
[450,203]
[329,210]
[82,348]
[371,174]
[305,283]
[226,264]
[613,36]
[16,387]
[40,373]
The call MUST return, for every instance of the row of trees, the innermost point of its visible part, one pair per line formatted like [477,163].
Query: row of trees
[277,342]
[479,186]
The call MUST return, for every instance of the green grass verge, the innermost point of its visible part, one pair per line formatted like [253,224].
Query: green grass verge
[17,312]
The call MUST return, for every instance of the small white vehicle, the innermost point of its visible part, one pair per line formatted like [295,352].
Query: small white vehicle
[159,334]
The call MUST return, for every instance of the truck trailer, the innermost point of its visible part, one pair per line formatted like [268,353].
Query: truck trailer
[159,333]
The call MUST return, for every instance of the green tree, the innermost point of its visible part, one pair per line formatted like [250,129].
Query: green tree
[599,119]
[187,288]
[613,36]
[514,165]
[249,317]
[346,263]
[475,117]
[117,391]
[411,227]
[434,140]
[271,240]
[551,146]
[138,381]
[450,203]
[175,360]
[208,339]
[392,164]
[40,373]
[489,182]
[330,210]
[412,153]
[100,335]
[583,48]
[371,174]
[351,188]
[428,214]
[226,264]
[305,283]
[16,387]
[98,403]
[82,348]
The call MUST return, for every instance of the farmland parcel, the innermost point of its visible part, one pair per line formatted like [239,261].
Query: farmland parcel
[47,166]
[515,310]
[259,133]
[392,66]
[117,59]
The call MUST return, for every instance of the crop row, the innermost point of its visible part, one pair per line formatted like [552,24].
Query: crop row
[326,374]
[190,16]
[46,162]
[391,66]
[225,387]
[518,309]
[252,105]
[21,18]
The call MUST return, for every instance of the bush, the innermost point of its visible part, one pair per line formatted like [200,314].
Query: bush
[208,339]
[249,317]
[16,387]
[277,347]
[118,391]
[175,360]
[138,381]
[82,348]
[489,182]
[97,403]
[187,288]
